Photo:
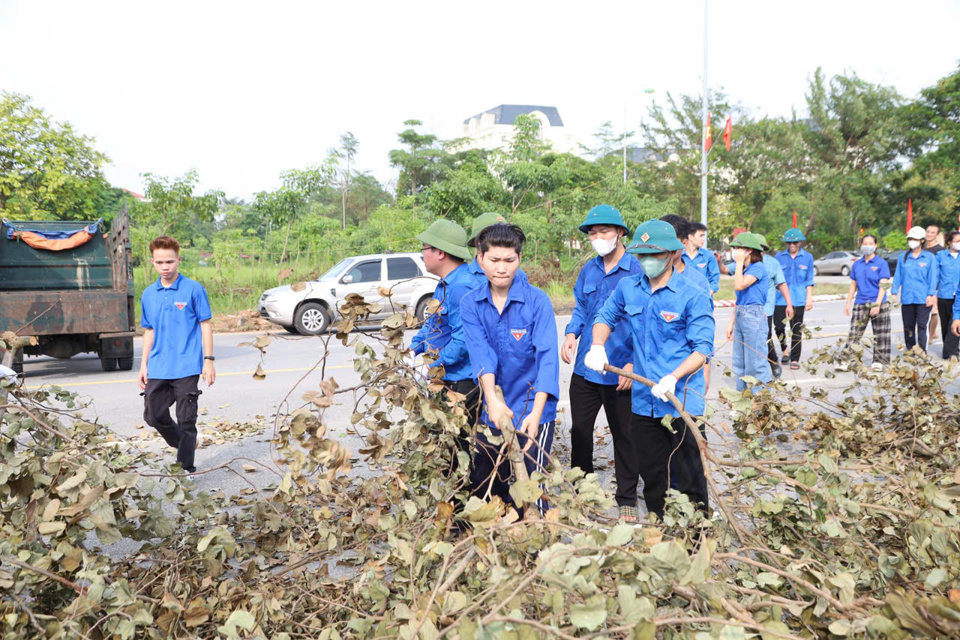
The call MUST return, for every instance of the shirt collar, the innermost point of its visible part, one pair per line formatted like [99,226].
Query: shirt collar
[673,283]
[515,294]
[446,279]
[475,266]
[622,263]
[174,286]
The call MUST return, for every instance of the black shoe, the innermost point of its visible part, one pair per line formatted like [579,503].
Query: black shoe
[776,369]
[785,359]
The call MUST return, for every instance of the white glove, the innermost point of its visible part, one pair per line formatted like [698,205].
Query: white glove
[7,373]
[667,384]
[596,358]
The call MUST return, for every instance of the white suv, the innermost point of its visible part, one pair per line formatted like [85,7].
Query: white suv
[311,310]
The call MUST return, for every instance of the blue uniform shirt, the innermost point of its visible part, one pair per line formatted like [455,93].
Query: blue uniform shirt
[756,293]
[175,313]
[666,326]
[479,278]
[518,346]
[867,275]
[697,278]
[799,275]
[917,276]
[705,263]
[776,278]
[948,277]
[443,330]
[593,287]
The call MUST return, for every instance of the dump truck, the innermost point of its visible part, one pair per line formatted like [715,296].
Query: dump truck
[67,288]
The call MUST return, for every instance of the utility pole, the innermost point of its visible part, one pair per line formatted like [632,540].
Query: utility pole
[704,115]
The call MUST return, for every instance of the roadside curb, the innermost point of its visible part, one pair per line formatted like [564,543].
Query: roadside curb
[827,297]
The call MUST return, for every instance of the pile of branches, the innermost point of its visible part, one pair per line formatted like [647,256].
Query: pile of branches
[857,535]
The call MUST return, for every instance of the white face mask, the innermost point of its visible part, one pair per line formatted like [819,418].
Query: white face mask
[955,246]
[913,244]
[868,249]
[604,247]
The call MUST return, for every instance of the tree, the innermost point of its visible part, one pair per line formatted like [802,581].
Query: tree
[347,151]
[291,201]
[47,169]
[420,163]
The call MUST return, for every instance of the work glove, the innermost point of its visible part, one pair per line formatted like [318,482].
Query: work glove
[667,384]
[596,357]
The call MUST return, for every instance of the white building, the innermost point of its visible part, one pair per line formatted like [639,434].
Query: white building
[494,128]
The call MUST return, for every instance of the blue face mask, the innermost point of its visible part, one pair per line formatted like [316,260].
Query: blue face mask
[652,266]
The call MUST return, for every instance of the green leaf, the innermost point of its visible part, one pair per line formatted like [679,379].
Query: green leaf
[588,616]
[620,535]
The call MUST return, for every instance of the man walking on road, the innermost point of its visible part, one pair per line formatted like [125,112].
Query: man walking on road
[177,350]
[797,267]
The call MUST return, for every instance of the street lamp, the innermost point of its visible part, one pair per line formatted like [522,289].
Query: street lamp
[625,102]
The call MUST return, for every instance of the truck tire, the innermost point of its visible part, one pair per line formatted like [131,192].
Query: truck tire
[125,364]
[108,364]
[311,319]
[421,310]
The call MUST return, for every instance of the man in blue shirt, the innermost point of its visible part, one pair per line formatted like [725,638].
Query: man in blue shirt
[797,267]
[672,330]
[591,390]
[869,277]
[695,254]
[511,335]
[177,350]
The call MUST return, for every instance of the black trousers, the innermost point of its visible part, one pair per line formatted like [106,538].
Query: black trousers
[181,434]
[660,451]
[916,319]
[951,343]
[796,330]
[487,474]
[586,399]
[471,390]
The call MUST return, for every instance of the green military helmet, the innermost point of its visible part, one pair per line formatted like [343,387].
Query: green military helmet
[763,241]
[449,237]
[655,236]
[483,221]
[747,240]
[794,235]
[606,215]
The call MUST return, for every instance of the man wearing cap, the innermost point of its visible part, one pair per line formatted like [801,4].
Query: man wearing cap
[672,330]
[445,254]
[797,267]
[480,223]
[777,283]
[591,390]
[698,256]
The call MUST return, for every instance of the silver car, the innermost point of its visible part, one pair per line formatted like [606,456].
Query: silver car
[835,262]
[311,310]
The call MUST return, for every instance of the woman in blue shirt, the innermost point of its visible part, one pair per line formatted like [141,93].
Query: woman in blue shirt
[748,326]
[948,278]
[867,301]
[916,282]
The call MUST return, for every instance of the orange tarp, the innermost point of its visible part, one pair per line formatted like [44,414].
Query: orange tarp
[37,241]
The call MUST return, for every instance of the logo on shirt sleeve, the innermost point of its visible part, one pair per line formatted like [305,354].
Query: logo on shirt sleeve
[180,305]
[518,333]
[669,316]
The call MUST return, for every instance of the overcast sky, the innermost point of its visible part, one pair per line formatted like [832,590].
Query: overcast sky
[240,91]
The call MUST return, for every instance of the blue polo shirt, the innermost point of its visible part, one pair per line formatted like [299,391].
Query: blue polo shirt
[868,274]
[798,272]
[917,276]
[756,293]
[594,285]
[698,279]
[175,313]
[948,277]
[775,278]
[518,346]
[666,326]
[706,263]
[443,331]
[479,278]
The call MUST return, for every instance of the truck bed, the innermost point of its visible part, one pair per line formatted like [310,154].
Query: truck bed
[50,313]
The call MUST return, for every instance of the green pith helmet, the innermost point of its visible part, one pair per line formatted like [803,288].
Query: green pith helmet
[449,237]
[483,221]
[794,235]
[763,241]
[604,214]
[747,240]
[655,236]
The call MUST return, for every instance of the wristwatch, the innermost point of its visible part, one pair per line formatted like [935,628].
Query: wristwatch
[209,358]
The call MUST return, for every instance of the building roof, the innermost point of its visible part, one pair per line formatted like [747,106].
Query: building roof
[507,113]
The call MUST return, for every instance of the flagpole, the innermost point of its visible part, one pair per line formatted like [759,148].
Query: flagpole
[705,109]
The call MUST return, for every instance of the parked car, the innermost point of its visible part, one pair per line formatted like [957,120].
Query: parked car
[893,259]
[835,262]
[310,311]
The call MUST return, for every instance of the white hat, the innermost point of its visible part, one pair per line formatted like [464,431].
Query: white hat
[916,233]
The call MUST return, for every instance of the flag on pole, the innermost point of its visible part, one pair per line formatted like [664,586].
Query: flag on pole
[794,218]
[728,132]
[708,141]
[909,213]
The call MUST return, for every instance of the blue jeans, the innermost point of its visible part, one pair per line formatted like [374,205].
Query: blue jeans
[750,345]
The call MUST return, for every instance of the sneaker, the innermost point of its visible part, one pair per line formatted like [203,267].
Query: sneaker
[843,366]
[876,366]
[629,515]
[785,359]
[200,440]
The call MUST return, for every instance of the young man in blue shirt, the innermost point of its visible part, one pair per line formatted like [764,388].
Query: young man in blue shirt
[511,335]
[672,330]
[698,256]
[797,267]
[177,350]
[591,390]
[869,277]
